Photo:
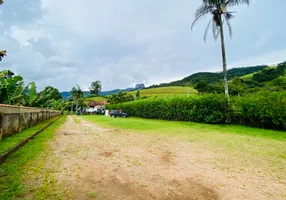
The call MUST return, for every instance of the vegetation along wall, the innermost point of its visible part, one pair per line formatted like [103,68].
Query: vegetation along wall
[13,119]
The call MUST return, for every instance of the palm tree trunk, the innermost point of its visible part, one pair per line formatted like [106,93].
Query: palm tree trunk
[224,60]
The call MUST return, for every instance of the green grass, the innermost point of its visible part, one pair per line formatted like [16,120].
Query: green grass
[92,194]
[76,120]
[166,91]
[100,99]
[12,171]
[248,77]
[8,142]
[171,127]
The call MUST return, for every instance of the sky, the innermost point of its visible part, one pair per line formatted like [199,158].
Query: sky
[124,42]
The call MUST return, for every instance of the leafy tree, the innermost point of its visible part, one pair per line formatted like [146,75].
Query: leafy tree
[120,97]
[220,14]
[95,87]
[138,94]
[11,87]
[48,96]
[31,95]
[237,86]
[269,74]
[77,93]
[202,86]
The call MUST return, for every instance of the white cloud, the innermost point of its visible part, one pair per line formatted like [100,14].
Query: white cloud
[121,43]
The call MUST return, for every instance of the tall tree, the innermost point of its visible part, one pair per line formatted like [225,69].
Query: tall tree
[77,93]
[95,87]
[218,9]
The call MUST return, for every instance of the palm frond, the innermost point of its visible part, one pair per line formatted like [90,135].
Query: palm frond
[216,30]
[195,21]
[207,30]
[204,9]
[237,2]
[200,12]
[228,16]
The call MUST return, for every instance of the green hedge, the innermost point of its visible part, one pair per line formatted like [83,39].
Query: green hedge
[207,109]
[267,110]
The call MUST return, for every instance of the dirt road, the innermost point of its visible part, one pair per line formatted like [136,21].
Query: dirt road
[87,162]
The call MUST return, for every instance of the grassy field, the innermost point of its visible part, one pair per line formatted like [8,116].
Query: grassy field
[166,91]
[12,171]
[242,145]
[97,99]
[8,142]
[248,77]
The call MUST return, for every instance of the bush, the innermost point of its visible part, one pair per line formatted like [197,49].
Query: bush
[267,110]
[211,109]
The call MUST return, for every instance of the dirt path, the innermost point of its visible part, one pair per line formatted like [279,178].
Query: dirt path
[93,162]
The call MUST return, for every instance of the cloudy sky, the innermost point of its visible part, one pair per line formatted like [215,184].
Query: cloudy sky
[123,42]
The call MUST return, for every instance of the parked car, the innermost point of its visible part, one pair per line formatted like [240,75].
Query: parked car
[117,113]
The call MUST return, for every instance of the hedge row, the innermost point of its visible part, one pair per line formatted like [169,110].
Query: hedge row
[263,110]
[207,109]
[267,110]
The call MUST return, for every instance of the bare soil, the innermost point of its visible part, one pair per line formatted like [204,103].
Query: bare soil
[100,163]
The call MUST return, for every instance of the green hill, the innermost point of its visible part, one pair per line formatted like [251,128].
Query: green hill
[212,77]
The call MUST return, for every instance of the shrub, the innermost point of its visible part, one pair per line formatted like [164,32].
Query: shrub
[267,110]
[205,108]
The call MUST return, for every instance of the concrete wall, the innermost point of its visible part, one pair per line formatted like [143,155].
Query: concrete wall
[14,119]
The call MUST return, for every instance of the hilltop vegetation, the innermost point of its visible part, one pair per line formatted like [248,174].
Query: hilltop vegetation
[212,77]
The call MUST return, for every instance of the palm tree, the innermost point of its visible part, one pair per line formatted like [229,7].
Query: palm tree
[220,14]
[76,94]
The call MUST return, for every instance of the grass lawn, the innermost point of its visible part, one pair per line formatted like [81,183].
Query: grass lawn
[13,169]
[8,142]
[166,91]
[251,146]
[184,128]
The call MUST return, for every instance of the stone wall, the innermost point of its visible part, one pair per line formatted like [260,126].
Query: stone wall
[14,119]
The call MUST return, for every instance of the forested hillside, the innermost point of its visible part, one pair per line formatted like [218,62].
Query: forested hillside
[212,77]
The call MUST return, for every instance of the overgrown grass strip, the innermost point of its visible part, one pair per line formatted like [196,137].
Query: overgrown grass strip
[13,143]
[12,171]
